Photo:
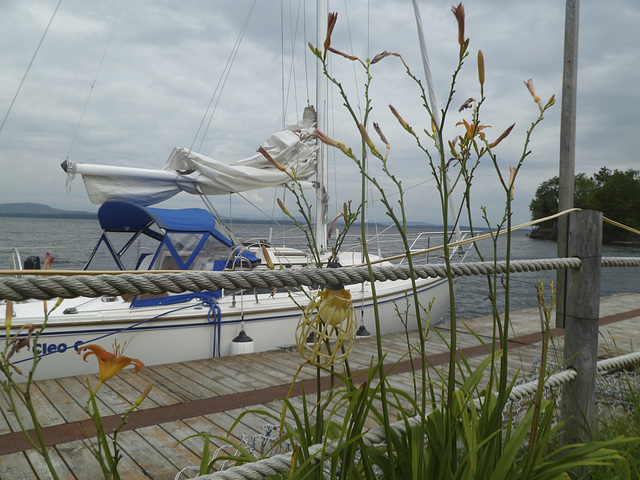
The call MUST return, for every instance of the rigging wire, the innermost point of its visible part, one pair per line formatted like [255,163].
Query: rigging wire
[270,217]
[217,93]
[353,64]
[292,71]
[306,53]
[13,101]
[95,79]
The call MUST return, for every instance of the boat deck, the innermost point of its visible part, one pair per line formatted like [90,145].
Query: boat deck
[209,395]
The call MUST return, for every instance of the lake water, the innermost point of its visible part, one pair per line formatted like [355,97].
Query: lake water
[71,241]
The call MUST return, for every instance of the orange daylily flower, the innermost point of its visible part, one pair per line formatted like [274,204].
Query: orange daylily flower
[472,129]
[110,363]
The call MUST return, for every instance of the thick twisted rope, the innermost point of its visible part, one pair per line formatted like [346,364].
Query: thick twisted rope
[282,463]
[85,285]
[618,363]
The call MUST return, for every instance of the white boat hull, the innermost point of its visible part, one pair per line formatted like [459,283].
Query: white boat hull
[191,331]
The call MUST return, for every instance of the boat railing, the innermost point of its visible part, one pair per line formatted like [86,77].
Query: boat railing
[239,262]
[15,263]
[429,240]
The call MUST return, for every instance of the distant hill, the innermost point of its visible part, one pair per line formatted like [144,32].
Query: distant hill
[39,210]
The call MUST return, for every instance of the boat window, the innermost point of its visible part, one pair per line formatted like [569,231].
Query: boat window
[192,251]
[139,254]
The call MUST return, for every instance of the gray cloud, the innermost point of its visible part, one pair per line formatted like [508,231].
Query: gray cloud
[166,58]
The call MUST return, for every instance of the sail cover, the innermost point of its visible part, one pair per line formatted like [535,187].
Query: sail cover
[186,170]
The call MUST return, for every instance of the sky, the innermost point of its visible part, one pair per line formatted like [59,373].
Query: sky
[123,83]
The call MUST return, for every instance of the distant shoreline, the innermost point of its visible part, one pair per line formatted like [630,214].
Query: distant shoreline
[38,210]
[244,221]
[76,216]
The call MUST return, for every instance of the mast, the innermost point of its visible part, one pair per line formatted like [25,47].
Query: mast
[322,175]
[432,99]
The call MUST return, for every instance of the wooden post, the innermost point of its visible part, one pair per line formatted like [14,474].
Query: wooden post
[567,141]
[582,311]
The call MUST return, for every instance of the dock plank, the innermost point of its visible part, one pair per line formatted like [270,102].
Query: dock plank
[202,374]
[150,448]
[40,466]
[150,462]
[66,405]
[180,431]
[167,446]
[77,389]
[182,387]
[16,467]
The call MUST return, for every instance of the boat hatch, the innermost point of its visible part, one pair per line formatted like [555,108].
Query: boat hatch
[141,238]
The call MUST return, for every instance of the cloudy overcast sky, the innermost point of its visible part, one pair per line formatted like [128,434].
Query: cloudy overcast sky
[156,74]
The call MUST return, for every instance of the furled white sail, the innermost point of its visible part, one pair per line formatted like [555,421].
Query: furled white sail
[294,148]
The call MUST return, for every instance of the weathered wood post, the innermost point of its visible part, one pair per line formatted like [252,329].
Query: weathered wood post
[582,311]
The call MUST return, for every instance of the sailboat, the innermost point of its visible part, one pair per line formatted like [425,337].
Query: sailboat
[138,236]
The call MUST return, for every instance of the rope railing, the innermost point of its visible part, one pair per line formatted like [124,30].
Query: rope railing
[53,286]
[83,284]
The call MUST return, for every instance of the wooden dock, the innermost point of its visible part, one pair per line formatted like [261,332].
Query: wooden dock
[209,395]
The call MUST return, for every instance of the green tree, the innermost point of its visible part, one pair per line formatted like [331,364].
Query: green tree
[617,196]
[545,202]
[614,193]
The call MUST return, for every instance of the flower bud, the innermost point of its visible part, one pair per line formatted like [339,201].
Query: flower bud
[459,13]
[504,135]
[532,91]
[353,58]
[8,317]
[333,18]
[143,395]
[551,101]
[327,140]
[365,136]
[267,258]
[382,55]
[368,141]
[480,67]
[381,135]
[273,161]
[404,124]
[512,178]
[283,208]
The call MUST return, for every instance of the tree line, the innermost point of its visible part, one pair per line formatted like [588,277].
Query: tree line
[613,192]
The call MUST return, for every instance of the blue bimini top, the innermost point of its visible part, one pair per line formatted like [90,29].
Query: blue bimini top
[120,216]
